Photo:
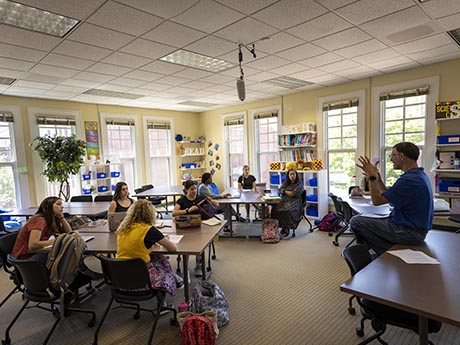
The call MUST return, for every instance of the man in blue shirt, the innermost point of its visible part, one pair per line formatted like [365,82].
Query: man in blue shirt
[411,197]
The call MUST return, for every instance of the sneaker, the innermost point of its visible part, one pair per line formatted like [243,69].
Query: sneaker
[241,219]
[284,232]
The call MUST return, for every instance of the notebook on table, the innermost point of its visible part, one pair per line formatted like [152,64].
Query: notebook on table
[187,221]
[115,220]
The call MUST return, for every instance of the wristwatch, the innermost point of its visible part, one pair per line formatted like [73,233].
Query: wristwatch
[186,210]
[372,178]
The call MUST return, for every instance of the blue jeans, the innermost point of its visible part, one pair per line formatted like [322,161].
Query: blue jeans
[380,234]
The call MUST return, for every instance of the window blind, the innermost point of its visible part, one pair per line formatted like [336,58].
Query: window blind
[158,125]
[405,93]
[119,122]
[236,121]
[55,120]
[347,103]
[265,115]
[6,116]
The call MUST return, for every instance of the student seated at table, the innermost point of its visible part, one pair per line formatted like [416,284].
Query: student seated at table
[136,236]
[188,204]
[121,200]
[289,210]
[247,182]
[411,197]
[205,190]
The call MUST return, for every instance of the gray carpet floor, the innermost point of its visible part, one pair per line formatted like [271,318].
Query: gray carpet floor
[285,293]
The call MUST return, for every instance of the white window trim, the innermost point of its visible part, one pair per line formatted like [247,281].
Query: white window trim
[40,189]
[320,120]
[173,161]
[137,128]
[430,129]
[255,167]
[245,141]
[22,182]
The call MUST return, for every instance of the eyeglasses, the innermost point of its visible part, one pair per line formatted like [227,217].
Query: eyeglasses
[391,155]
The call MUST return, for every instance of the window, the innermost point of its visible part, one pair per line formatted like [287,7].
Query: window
[235,140]
[159,152]
[404,115]
[8,162]
[266,142]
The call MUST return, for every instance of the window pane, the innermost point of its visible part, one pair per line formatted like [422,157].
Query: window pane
[394,113]
[334,132]
[122,148]
[7,188]
[266,145]
[160,169]
[160,154]
[391,140]
[417,125]
[394,127]
[235,150]
[416,111]
[341,171]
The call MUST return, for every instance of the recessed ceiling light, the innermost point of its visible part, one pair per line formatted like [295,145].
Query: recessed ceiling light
[109,93]
[198,104]
[189,59]
[287,82]
[31,18]
[455,35]
[6,81]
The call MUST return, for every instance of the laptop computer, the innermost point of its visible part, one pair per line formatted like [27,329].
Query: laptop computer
[187,221]
[115,220]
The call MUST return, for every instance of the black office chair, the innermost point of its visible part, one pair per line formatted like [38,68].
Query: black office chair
[157,200]
[357,257]
[6,247]
[37,288]
[82,198]
[103,198]
[302,214]
[338,211]
[130,283]
[347,214]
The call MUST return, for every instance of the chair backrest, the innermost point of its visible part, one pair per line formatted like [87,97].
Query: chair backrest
[35,277]
[6,247]
[347,211]
[304,199]
[357,257]
[82,198]
[337,204]
[125,274]
[214,188]
[103,198]
[147,187]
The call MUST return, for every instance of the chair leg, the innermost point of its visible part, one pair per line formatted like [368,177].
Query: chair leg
[160,299]
[50,333]
[213,247]
[7,339]
[351,309]
[9,295]
[338,234]
[96,333]
[380,328]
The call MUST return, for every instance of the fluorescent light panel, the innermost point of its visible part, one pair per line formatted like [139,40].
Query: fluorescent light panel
[189,59]
[6,81]
[198,104]
[109,93]
[287,82]
[31,18]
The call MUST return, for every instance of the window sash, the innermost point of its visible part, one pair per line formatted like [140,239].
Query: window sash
[348,103]
[55,120]
[6,116]
[420,91]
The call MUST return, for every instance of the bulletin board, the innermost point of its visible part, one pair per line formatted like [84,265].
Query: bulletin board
[92,139]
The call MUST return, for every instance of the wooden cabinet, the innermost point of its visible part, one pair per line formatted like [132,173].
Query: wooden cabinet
[192,164]
[100,178]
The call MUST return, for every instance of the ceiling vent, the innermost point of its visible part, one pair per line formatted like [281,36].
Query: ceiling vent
[114,94]
[455,35]
[6,81]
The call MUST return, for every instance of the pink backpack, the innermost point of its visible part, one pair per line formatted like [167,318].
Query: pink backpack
[270,233]
[198,330]
[330,223]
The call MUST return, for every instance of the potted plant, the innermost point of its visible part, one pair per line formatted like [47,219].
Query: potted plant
[63,157]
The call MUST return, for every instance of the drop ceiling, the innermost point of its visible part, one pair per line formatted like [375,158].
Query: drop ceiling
[117,46]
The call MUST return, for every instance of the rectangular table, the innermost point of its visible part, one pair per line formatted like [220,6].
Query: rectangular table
[429,291]
[194,242]
[74,208]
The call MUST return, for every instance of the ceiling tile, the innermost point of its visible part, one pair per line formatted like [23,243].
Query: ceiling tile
[27,38]
[69,89]
[162,67]
[439,58]
[208,16]
[116,88]
[450,22]
[67,61]
[441,8]
[199,85]
[233,56]
[135,22]
[101,37]
[289,69]
[81,50]
[127,82]
[431,53]
[308,74]
[15,52]
[246,30]
[342,39]
[379,55]
[126,60]
[334,4]
[143,75]
[171,80]
[324,25]
[77,9]
[219,88]
[23,91]
[381,65]
[34,85]
[9,73]
[162,8]
[278,42]
[339,66]
[147,49]
[92,76]
[156,87]
[321,60]
[424,44]
[192,73]
[217,78]
[366,10]
[267,63]
[54,71]
[81,83]
[15,64]
[211,46]
[247,7]
[401,67]
[258,77]
[361,48]
[359,70]
[285,14]
[173,34]
[301,52]
[106,68]
[60,94]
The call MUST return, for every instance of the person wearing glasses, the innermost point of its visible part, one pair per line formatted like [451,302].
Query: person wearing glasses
[411,197]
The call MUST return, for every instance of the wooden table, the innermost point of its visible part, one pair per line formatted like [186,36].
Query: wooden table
[75,208]
[174,191]
[430,291]
[194,242]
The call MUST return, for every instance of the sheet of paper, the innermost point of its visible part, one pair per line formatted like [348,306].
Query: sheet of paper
[375,215]
[175,238]
[414,256]
[211,221]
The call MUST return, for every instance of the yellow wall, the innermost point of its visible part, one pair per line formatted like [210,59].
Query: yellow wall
[298,107]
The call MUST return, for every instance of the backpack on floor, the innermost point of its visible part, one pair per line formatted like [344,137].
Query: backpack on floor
[270,233]
[207,295]
[198,330]
[330,223]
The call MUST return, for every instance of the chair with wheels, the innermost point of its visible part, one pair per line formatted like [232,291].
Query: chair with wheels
[130,284]
[38,289]
[82,198]
[156,200]
[347,214]
[6,247]
[338,211]
[357,257]
[303,214]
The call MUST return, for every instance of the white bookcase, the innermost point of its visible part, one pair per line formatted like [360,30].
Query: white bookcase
[192,154]
[100,178]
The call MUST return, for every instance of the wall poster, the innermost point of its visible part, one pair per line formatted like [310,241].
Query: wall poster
[92,140]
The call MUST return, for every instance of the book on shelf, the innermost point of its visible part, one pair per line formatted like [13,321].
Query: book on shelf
[296,154]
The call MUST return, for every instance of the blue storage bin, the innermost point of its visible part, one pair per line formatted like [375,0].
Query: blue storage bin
[113,187]
[101,175]
[114,174]
[86,177]
[313,182]
[283,177]
[312,197]
[449,139]
[86,191]
[274,179]
[449,186]
[101,189]
[312,211]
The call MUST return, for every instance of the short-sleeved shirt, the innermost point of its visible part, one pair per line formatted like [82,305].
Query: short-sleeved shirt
[21,246]
[185,203]
[137,242]
[246,182]
[412,199]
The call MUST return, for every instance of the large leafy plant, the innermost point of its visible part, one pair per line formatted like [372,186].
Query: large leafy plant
[63,157]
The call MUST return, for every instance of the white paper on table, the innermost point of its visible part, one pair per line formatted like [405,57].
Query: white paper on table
[211,221]
[375,215]
[414,256]
[175,238]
